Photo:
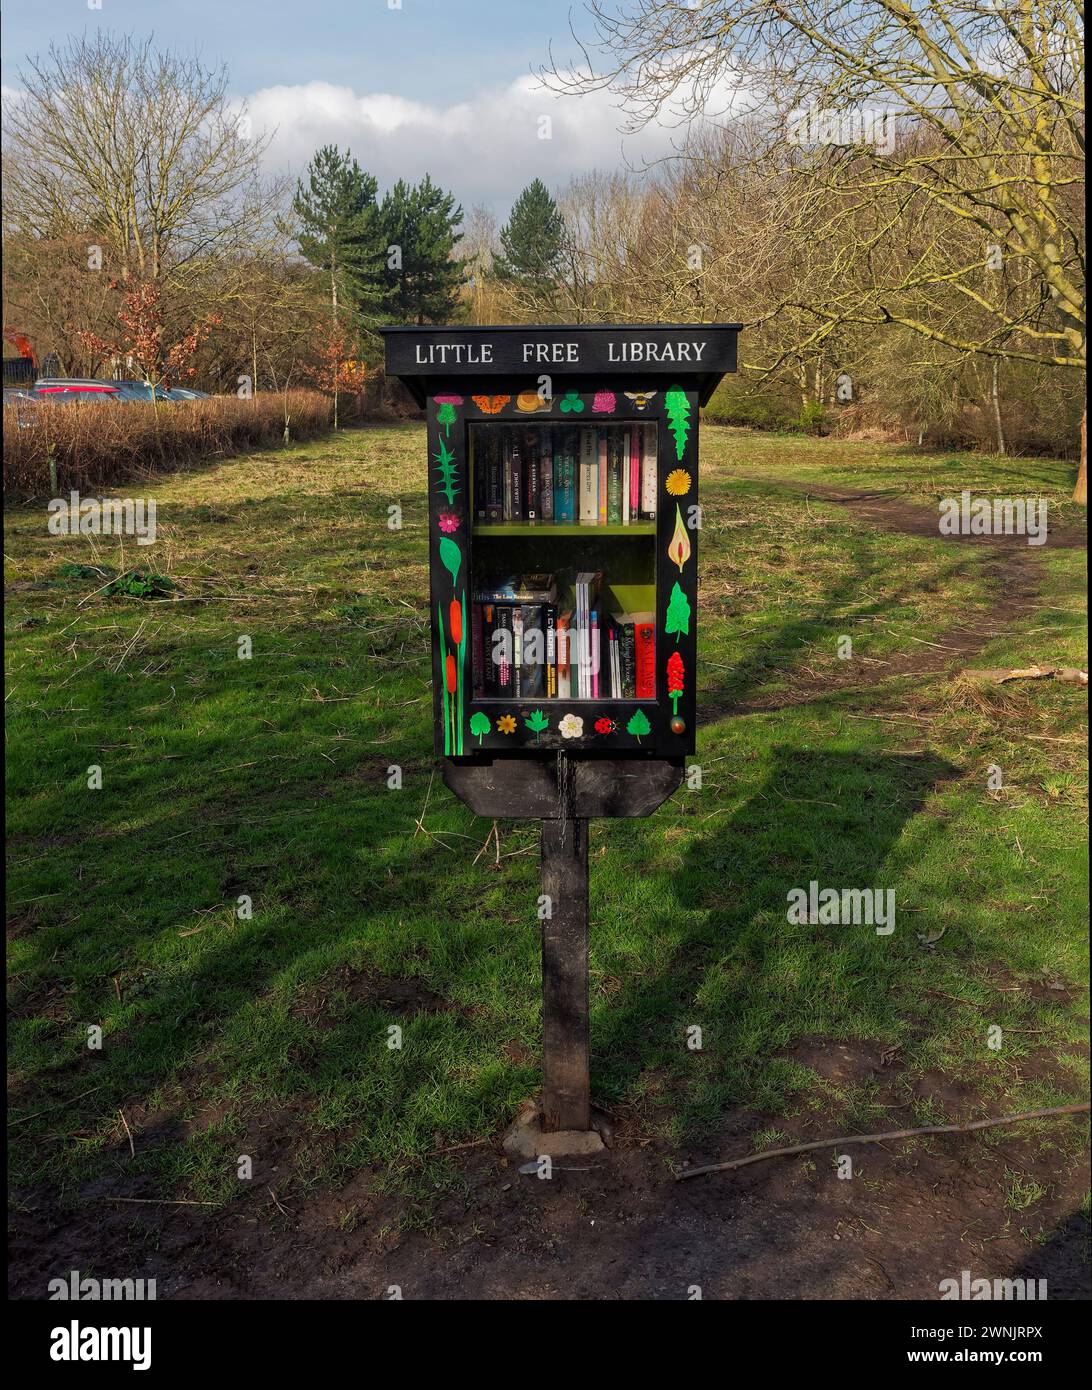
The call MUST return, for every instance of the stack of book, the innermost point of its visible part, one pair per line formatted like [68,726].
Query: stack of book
[587,476]
[529,643]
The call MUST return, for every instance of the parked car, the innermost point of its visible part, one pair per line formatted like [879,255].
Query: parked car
[186,393]
[140,391]
[66,389]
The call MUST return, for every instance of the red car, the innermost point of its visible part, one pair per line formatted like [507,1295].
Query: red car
[74,388]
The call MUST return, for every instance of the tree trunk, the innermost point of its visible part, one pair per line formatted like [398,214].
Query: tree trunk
[1080,492]
[996,400]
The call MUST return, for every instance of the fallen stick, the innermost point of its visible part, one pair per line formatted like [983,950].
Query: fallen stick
[998,675]
[1081,1109]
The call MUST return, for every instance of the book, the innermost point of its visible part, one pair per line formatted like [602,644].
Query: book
[635,461]
[519,481]
[549,623]
[644,636]
[596,653]
[532,476]
[603,448]
[478,467]
[648,473]
[546,480]
[477,649]
[532,663]
[614,478]
[522,588]
[626,476]
[494,495]
[564,674]
[589,479]
[503,650]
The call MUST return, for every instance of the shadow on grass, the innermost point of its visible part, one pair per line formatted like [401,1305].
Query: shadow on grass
[741,971]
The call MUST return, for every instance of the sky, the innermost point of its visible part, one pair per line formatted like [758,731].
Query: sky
[438,86]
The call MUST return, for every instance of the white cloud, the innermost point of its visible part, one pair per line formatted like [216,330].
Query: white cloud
[483,150]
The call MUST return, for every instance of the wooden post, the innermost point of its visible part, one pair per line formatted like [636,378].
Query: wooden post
[566,1100]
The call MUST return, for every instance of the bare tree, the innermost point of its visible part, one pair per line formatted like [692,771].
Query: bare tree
[968,112]
[138,151]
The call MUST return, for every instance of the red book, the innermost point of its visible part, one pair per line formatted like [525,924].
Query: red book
[645,642]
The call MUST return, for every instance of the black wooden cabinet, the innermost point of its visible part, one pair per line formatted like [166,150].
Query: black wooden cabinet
[564,526]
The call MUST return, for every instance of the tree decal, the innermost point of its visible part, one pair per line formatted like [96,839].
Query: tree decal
[638,725]
[678,613]
[479,725]
[676,680]
[678,418]
[445,467]
[536,721]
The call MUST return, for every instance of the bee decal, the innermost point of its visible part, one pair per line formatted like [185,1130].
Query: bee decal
[640,398]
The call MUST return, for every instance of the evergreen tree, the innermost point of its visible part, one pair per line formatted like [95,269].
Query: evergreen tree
[419,230]
[341,231]
[533,240]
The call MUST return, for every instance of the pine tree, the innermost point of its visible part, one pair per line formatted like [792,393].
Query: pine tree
[420,231]
[532,240]
[341,231]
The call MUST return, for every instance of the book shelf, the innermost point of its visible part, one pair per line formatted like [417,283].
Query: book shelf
[554,618]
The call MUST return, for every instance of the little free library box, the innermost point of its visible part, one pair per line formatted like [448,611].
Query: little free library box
[563,530]
[563,564]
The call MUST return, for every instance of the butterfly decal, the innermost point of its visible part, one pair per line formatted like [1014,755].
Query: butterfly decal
[490,405]
[640,398]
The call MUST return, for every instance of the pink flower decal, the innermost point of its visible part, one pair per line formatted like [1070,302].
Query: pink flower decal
[449,400]
[604,403]
[449,522]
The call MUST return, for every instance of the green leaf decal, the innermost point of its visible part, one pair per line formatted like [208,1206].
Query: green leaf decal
[678,417]
[536,721]
[479,725]
[451,557]
[445,467]
[678,613]
[638,725]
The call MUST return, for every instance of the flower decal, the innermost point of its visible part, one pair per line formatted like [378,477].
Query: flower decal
[678,482]
[604,402]
[605,726]
[506,724]
[571,403]
[572,726]
[448,522]
[446,414]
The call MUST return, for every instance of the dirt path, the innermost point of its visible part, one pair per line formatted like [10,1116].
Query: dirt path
[1009,565]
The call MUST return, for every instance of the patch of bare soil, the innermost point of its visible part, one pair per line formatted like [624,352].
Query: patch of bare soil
[619,1227]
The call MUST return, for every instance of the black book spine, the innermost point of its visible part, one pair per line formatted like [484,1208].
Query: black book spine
[494,499]
[533,471]
[518,484]
[506,681]
[549,612]
[533,672]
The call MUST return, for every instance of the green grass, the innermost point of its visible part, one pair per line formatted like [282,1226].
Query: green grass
[267,778]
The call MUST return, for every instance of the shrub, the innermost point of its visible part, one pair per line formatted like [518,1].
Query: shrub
[100,444]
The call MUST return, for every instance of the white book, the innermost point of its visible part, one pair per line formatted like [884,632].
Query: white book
[625,476]
[648,471]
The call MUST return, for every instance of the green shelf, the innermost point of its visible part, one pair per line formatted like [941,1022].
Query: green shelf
[535,528]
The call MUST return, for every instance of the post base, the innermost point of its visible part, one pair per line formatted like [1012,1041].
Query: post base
[526,1139]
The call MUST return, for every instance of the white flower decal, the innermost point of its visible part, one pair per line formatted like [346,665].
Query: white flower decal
[572,726]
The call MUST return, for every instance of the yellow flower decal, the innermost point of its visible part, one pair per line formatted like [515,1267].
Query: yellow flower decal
[678,482]
[506,724]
